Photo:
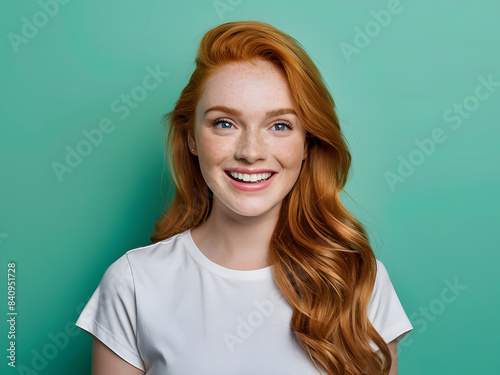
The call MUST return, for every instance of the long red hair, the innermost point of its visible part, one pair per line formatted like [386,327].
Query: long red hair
[322,258]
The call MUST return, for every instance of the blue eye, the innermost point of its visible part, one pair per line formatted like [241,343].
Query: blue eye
[281,126]
[223,124]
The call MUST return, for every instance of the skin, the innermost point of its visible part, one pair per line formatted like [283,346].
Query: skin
[106,362]
[393,347]
[237,233]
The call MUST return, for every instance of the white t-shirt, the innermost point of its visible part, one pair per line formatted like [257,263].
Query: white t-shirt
[169,310]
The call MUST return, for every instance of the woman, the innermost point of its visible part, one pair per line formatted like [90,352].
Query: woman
[257,267]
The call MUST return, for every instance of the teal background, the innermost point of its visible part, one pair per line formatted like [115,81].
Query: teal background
[439,226]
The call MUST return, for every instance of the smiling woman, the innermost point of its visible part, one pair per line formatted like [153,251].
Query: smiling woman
[245,127]
[256,267]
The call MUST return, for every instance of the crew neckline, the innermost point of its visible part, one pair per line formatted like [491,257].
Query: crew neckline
[228,273]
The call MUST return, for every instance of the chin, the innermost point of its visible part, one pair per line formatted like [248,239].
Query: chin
[259,210]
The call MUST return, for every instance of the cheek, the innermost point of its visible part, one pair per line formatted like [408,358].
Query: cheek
[290,154]
[212,151]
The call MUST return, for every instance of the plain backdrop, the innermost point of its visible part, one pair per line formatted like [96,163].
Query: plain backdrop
[84,85]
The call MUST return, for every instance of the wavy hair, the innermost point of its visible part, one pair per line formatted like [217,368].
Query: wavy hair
[322,258]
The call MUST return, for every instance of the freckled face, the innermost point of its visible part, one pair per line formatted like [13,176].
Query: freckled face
[248,139]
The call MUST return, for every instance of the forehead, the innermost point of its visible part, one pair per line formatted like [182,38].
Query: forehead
[257,85]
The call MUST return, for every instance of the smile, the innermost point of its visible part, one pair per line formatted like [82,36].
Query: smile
[250,182]
[251,178]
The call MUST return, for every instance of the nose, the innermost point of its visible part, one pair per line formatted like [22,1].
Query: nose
[251,146]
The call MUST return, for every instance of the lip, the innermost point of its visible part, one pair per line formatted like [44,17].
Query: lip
[249,171]
[254,186]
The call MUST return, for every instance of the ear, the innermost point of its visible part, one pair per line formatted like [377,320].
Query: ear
[306,147]
[192,145]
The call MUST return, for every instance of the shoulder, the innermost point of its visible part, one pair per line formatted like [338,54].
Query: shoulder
[382,288]
[382,274]
[121,276]
[145,256]
[156,252]
[145,260]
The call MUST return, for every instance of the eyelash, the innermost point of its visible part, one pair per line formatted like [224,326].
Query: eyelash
[278,122]
[219,120]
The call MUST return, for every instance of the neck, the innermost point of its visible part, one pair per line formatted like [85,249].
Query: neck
[235,241]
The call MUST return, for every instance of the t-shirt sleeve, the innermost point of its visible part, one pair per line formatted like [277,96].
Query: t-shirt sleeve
[110,314]
[385,311]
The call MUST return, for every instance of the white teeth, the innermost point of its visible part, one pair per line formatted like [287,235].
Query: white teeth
[254,177]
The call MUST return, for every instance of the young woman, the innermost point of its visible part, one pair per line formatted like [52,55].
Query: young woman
[256,267]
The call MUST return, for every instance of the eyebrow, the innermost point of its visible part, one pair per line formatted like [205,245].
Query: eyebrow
[235,112]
